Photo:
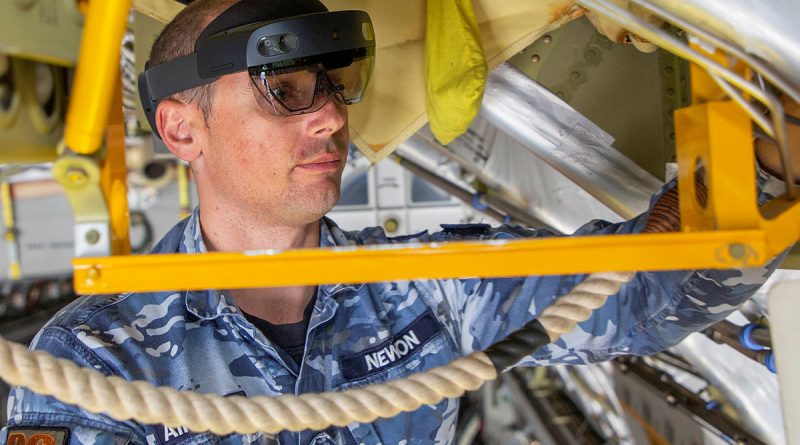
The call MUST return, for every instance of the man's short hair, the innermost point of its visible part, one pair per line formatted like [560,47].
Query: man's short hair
[178,39]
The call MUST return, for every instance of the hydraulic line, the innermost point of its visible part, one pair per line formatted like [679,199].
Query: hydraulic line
[663,384]
[729,334]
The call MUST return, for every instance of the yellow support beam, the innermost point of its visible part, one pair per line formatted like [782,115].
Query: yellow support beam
[114,176]
[502,258]
[716,136]
[96,74]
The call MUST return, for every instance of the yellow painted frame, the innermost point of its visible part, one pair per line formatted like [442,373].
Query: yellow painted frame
[729,232]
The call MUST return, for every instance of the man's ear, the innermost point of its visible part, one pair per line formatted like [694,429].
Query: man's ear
[179,125]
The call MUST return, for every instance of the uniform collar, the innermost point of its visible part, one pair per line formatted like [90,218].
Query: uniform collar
[211,303]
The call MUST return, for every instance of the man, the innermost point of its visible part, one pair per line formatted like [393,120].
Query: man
[267,145]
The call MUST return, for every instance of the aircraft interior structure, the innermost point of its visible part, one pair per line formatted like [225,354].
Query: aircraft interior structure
[588,108]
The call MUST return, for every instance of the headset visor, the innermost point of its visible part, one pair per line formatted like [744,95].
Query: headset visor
[305,85]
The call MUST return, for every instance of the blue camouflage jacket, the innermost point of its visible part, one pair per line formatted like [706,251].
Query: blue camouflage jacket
[358,334]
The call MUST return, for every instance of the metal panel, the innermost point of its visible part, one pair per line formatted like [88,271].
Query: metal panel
[784,309]
[32,103]
[588,71]
[44,30]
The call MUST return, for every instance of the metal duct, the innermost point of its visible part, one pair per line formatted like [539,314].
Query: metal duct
[567,141]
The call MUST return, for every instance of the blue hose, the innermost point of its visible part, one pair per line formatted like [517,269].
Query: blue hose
[477,203]
[745,337]
[769,362]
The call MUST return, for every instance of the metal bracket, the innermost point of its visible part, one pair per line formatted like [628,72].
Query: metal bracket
[80,177]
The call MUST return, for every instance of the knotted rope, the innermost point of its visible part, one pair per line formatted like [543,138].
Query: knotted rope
[148,404]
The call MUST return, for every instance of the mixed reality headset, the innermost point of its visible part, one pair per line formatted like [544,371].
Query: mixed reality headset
[296,64]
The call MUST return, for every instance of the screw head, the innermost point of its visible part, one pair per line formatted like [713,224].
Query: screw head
[77,176]
[92,275]
[535,58]
[737,251]
[92,236]
[547,39]
[391,225]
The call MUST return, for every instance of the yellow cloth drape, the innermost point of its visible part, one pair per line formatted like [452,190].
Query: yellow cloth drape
[455,68]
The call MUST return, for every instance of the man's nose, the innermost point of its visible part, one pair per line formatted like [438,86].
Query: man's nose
[329,119]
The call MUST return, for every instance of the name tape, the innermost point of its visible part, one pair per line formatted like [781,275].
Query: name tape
[393,350]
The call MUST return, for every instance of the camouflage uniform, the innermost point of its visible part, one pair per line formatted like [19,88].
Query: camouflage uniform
[359,334]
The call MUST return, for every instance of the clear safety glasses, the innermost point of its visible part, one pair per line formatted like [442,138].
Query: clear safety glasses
[306,85]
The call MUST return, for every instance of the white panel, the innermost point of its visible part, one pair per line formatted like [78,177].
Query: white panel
[354,219]
[391,185]
[783,302]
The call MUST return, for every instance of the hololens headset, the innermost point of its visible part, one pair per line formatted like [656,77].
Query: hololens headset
[296,64]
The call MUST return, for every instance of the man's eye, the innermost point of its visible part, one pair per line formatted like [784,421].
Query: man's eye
[285,91]
[280,92]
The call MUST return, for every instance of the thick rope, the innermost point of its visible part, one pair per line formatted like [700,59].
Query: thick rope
[145,403]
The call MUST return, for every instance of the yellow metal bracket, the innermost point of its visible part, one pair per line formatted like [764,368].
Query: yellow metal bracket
[80,177]
[96,75]
[95,179]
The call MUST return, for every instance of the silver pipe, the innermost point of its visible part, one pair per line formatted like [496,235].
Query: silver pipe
[567,141]
[497,207]
[670,43]
[734,94]
[492,183]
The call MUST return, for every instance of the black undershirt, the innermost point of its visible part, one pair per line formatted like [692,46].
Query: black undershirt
[291,337]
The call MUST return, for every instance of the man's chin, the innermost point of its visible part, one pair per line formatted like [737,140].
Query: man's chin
[318,200]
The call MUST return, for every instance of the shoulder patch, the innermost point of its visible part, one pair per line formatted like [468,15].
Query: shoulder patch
[31,435]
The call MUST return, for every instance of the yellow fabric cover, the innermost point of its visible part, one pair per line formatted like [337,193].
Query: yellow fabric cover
[455,69]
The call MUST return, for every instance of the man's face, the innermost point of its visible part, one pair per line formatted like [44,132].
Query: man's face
[285,169]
